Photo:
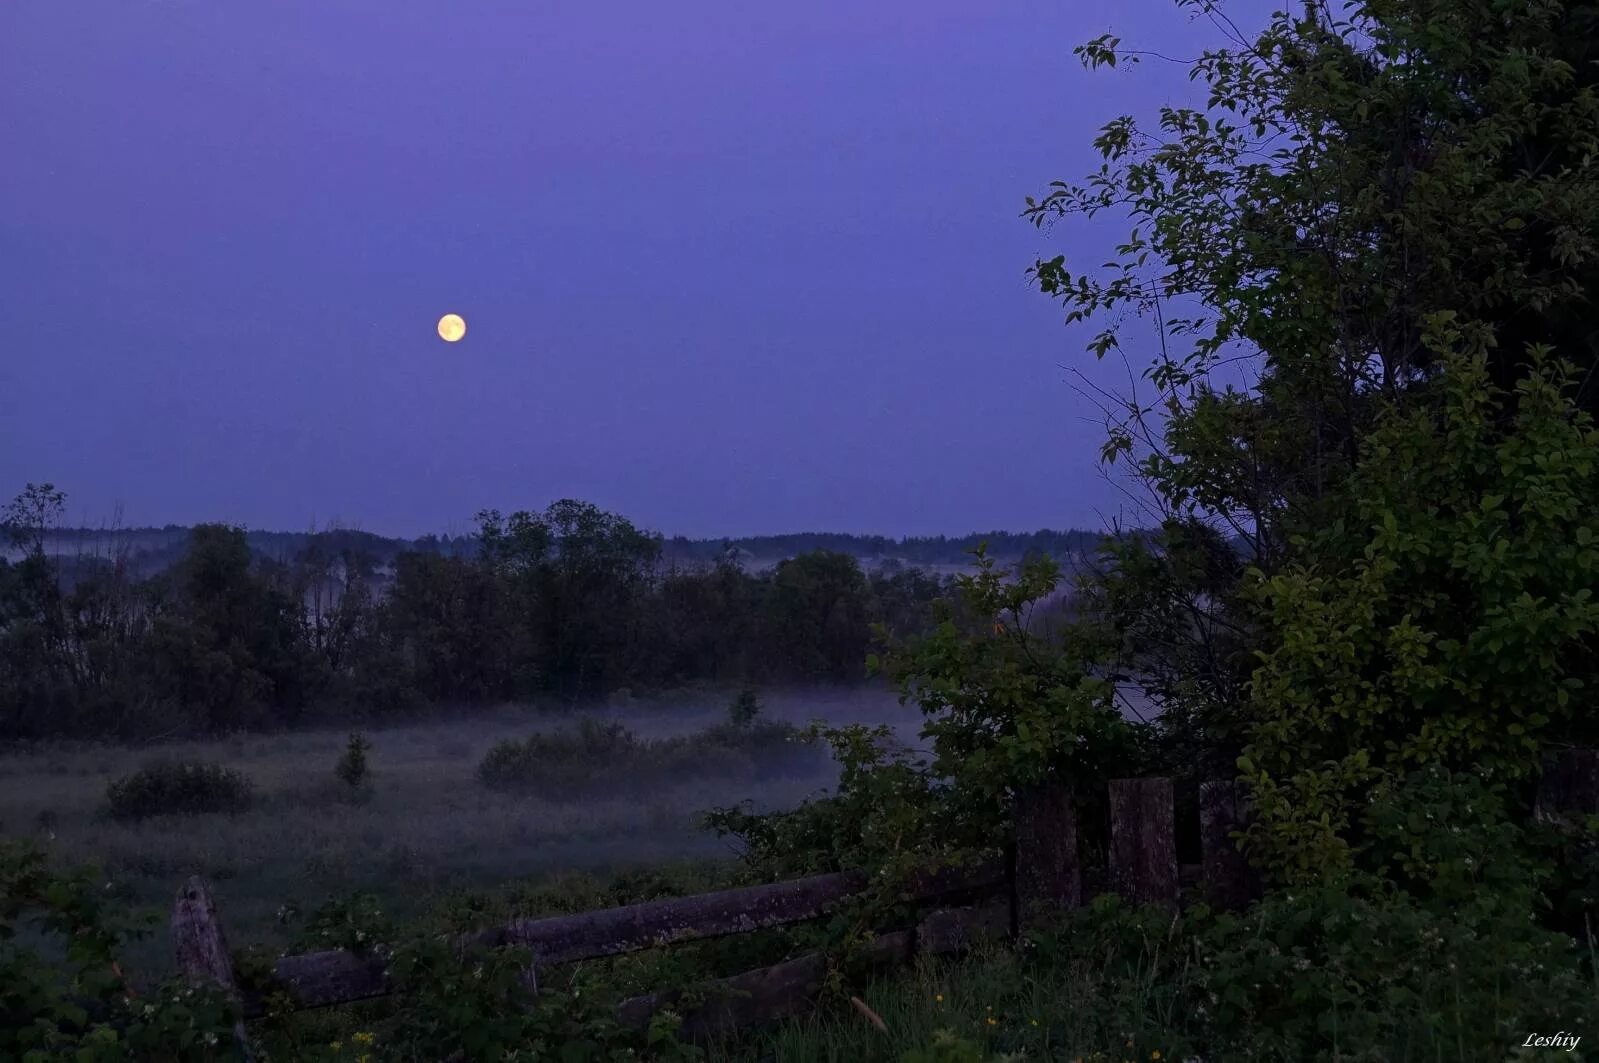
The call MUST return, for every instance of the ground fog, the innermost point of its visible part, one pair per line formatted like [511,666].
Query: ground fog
[427,825]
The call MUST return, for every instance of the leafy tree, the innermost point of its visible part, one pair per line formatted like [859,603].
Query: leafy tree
[902,599]
[1450,620]
[224,643]
[32,515]
[1379,219]
[445,622]
[703,624]
[1005,711]
[335,583]
[815,616]
[1352,176]
[570,601]
[578,570]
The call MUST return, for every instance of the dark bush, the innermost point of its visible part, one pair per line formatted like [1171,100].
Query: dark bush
[745,708]
[552,761]
[164,788]
[353,768]
[63,939]
[772,746]
[595,756]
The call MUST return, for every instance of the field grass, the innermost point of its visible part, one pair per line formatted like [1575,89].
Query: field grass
[428,828]
[1000,1000]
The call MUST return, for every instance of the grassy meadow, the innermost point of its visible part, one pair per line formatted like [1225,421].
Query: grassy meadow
[426,826]
[993,998]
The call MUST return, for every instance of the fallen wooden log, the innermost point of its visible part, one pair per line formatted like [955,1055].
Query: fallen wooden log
[321,979]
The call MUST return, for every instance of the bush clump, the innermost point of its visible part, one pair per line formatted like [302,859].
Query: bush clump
[607,756]
[167,788]
[551,761]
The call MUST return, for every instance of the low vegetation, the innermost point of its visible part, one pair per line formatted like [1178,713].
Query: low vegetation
[422,831]
[86,1008]
[178,788]
[352,769]
[1354,970]
[69,997]
[576,763]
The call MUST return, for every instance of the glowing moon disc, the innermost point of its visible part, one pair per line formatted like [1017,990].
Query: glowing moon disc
[451,328]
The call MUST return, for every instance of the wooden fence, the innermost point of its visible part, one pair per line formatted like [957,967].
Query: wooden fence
[955,908]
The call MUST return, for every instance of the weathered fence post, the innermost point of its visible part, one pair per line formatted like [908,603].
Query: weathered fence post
[1570,784]
[1143,842]
[1048,875]
[1229,881]
[202,951]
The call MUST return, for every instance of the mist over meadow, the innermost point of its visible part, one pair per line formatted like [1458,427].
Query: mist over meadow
[559,693]
[424,824]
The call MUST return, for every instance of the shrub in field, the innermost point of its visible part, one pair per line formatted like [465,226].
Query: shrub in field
[771,746]
[178,788]
[506,766]
[609,756]
[352,768]
[553,761]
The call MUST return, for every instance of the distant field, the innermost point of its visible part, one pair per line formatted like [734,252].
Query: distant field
[429,827]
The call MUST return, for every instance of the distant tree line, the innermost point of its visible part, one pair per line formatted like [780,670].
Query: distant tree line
[913,550]
[569,603]
[151,550]
[147,551]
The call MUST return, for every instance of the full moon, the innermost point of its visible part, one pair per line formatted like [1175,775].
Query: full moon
[451,328]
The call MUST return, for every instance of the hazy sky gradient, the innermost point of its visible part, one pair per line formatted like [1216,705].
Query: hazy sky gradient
[727,268]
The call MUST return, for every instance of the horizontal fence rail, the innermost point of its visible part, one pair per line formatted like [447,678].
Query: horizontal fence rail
[1042,878]
[337,976]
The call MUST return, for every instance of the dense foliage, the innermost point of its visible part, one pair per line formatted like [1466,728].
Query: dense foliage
[82,1006]
[570,603]
[1437,952]
[1449,619]
[63,993]
[178,788]
[1008,707]
[1368,262]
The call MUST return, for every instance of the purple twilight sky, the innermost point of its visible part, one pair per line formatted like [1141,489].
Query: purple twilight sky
[726,268]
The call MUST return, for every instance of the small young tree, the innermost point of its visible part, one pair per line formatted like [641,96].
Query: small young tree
[744,708]
[353,769]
